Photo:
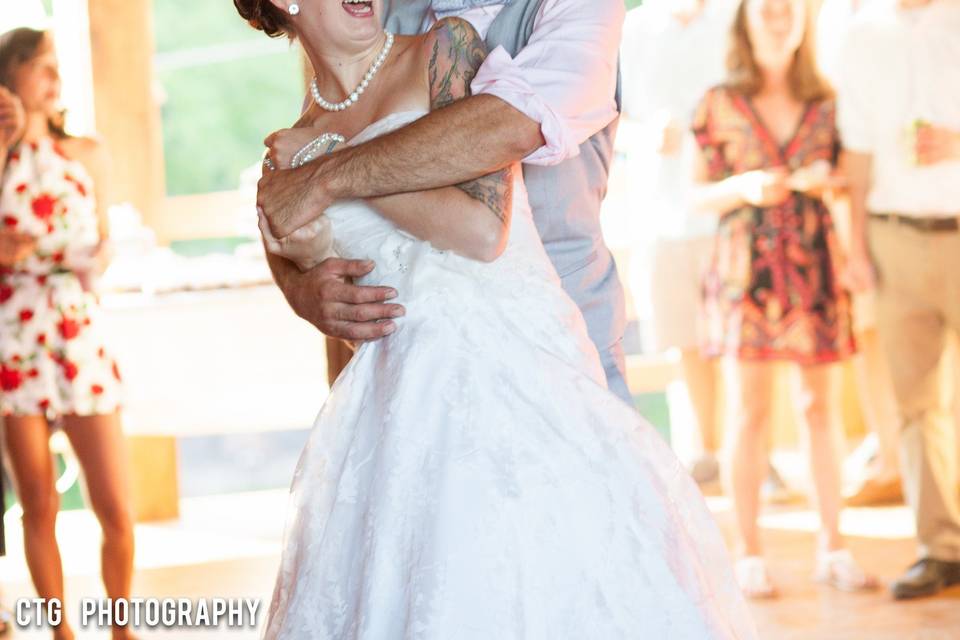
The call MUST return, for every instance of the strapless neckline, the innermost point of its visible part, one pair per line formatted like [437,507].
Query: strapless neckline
[365,134]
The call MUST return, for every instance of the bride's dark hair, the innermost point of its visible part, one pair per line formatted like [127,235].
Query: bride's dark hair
[263,15]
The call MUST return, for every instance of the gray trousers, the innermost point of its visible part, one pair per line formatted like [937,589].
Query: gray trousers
[615,367]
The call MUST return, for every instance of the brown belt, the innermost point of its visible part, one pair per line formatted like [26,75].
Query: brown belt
[928,225]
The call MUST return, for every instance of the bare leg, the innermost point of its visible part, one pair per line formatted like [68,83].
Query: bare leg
[746,445]
[101,450]
[879,402]
[701,375]
[28,441]
[821,408]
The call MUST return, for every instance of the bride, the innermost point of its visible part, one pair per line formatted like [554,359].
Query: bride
[470,476]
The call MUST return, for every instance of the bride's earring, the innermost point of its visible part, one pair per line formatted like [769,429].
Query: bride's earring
[293,9]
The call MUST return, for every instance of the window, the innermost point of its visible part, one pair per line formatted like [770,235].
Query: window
[223,88]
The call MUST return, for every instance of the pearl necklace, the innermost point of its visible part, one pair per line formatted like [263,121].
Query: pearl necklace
[353,97]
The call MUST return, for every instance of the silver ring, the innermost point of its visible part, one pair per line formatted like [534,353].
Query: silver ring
[268,163]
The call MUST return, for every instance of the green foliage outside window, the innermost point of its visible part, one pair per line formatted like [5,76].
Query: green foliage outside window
[225,88]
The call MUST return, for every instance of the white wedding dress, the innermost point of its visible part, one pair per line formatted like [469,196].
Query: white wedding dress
[471,478]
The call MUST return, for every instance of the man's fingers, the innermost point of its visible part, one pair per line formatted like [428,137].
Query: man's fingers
[284,227]
[347,268]
[273,245]
[359,331]
[366,312]
[356,294]
[262,184]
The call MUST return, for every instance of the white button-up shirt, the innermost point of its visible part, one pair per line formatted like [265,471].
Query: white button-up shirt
[833,24]
[899,67]
[565,77]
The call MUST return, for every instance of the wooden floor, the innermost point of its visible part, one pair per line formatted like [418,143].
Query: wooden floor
[228,547]
[881,539]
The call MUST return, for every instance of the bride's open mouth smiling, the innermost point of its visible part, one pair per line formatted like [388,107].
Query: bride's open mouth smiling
[358,8]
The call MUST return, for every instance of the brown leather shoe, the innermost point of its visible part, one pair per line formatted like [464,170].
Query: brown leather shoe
[874,492]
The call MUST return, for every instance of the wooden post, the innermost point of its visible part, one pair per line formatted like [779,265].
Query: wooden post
[128,121]
[154,478]
[126,109]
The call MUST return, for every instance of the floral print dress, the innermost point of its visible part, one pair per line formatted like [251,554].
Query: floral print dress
[53,360]
[772,290]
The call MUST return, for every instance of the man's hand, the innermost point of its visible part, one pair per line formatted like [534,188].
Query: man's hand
[859,274]
[936,144]
[325,297]
[292,198]
[12,118]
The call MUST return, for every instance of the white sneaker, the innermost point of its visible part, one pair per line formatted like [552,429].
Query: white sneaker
[839,570]
[754,579]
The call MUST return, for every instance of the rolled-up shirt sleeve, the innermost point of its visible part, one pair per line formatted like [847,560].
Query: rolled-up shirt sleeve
[565,78]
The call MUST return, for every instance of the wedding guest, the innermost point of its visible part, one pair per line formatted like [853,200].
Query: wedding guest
[4,615]
[875,463]
[53,363]
[768,143]
[899,106]
[671,54]
[834,21]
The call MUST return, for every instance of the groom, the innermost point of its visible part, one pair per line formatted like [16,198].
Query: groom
[548,94]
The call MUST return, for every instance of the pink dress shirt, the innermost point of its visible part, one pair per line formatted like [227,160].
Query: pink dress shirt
[566,76]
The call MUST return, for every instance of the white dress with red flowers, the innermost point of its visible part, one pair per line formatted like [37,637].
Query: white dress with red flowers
[52,357]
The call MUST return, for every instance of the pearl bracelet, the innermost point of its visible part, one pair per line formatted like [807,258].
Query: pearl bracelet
[321,145]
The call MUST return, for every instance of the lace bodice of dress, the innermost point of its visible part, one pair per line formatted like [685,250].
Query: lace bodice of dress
[519,292]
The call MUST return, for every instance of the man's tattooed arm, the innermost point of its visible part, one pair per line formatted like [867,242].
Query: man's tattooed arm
[456,55]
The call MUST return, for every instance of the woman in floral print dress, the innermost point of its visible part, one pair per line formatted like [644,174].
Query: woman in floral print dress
[54,365]
[768,146]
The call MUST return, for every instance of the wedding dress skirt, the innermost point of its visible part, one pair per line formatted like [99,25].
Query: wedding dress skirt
[471,478]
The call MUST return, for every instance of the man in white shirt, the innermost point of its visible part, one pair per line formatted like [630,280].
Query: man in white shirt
[899,114]
[876,461]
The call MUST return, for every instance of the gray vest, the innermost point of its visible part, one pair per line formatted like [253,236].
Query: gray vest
[565,198]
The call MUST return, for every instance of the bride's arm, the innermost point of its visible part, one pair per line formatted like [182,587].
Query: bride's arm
[453,51]
[479,232]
